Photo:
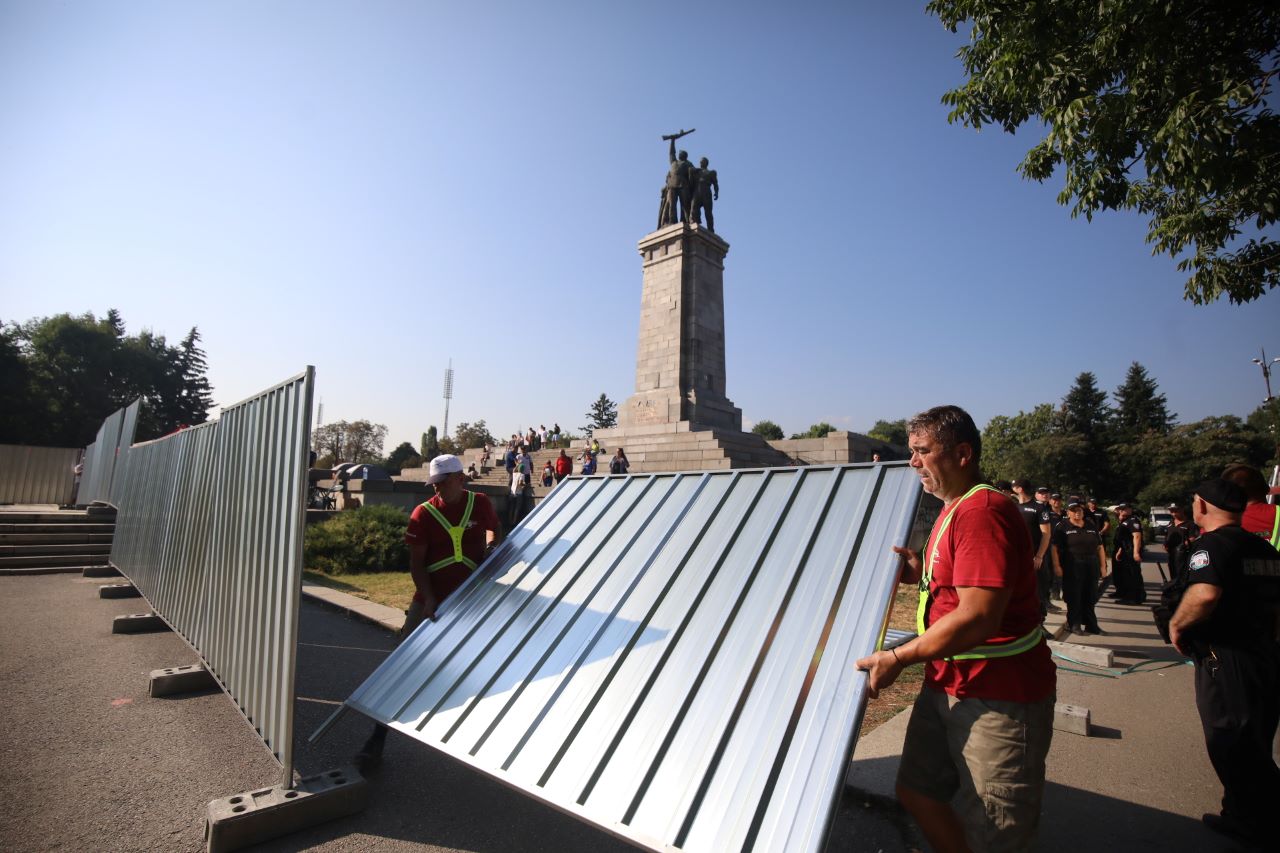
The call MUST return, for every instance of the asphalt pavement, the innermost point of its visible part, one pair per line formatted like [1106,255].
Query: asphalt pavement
[92,763]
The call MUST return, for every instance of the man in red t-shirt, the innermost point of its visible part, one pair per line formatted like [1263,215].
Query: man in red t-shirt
[437,566]
[1259,516]
[973,763]
[448,536]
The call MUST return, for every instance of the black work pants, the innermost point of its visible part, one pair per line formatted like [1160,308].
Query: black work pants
[1238,697]
[1129,584]
[1079,583]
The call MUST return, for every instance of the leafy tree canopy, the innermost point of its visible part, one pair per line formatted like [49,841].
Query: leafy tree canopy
[768,430]
[404,456]
[61,376]
[468,435]
[818,430]
[893,432]
[1151,106]
[354,441]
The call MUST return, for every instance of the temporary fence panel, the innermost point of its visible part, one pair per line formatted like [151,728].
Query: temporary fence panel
[103,457]
[667,656]
[37,475]
[209,529]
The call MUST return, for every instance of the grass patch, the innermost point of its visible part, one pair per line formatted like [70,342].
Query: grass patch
[902,693]
[394,589]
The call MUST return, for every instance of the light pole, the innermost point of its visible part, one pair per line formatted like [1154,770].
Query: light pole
[1266,370]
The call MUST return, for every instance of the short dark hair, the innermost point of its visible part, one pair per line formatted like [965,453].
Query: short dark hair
[1248,478]
[950,425]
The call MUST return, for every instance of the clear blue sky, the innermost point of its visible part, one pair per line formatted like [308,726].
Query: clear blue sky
[377,187]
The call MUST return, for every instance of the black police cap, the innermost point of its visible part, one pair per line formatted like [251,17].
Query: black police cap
[1223,494]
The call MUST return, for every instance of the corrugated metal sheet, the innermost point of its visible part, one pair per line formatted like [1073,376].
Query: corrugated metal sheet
[668,656]
[103,457]
[209,529]
[37,475]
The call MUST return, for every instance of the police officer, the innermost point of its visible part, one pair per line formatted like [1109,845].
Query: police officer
[1127,566]
[1181,534]
[1078,559]
[1226,622]
[1098,516]
[1035,515]
[1056,515]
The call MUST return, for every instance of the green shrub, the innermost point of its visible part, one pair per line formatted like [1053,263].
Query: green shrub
[368,539]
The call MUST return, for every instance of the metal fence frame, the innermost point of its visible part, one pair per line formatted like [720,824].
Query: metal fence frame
[209,529]
[37,475]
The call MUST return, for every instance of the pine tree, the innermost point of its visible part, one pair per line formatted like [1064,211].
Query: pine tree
[1139,408]
[603,414]
[195,395]
[1084,409]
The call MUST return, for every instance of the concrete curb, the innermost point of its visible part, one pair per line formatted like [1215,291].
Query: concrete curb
[378,615]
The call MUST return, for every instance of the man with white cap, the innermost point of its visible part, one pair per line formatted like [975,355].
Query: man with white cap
[448,537]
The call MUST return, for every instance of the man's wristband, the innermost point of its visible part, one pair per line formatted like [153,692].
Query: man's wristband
[894,652]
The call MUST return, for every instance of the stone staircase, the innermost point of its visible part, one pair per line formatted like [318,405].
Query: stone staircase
[678,447]
[38,541]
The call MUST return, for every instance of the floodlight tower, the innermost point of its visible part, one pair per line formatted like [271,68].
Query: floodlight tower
[448,395]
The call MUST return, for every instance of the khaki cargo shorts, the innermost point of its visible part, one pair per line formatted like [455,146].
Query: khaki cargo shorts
[984,756]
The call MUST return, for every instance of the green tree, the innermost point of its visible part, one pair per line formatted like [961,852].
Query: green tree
[467,435]
[404,456]
[818,430]
[1265,421]
[1158,107]
[768,430]
[350,441]
[1192,453]
[1064,461]
[430,447]
[1140,411]
[894,432]
[1084,410]
[1005,436]
[603,414]
[76,370]
[1139,408]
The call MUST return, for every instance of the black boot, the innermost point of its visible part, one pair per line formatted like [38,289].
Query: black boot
[370,755]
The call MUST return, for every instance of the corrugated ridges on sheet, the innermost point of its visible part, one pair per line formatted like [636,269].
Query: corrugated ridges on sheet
[668,656]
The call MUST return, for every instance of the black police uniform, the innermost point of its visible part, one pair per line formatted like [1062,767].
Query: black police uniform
[1238,669]
[1078,555]
[1176,541]
[1053,519]
[1128,572]
[1032,511]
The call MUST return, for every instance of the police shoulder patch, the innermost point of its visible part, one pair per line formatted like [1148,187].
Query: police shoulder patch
[1199,560]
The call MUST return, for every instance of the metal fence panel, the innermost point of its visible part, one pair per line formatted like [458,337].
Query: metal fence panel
[103,458]
[37,475]
[668,656]
[209,529]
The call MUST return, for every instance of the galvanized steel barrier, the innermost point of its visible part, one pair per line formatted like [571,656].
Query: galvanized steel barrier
[104,457]
[37,475]
[667,656]
[209,529]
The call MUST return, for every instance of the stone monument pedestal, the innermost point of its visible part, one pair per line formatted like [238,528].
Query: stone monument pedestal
[679,418]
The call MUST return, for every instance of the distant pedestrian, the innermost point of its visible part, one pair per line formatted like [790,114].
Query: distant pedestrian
[619,463]
[564,465]
[548,474]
